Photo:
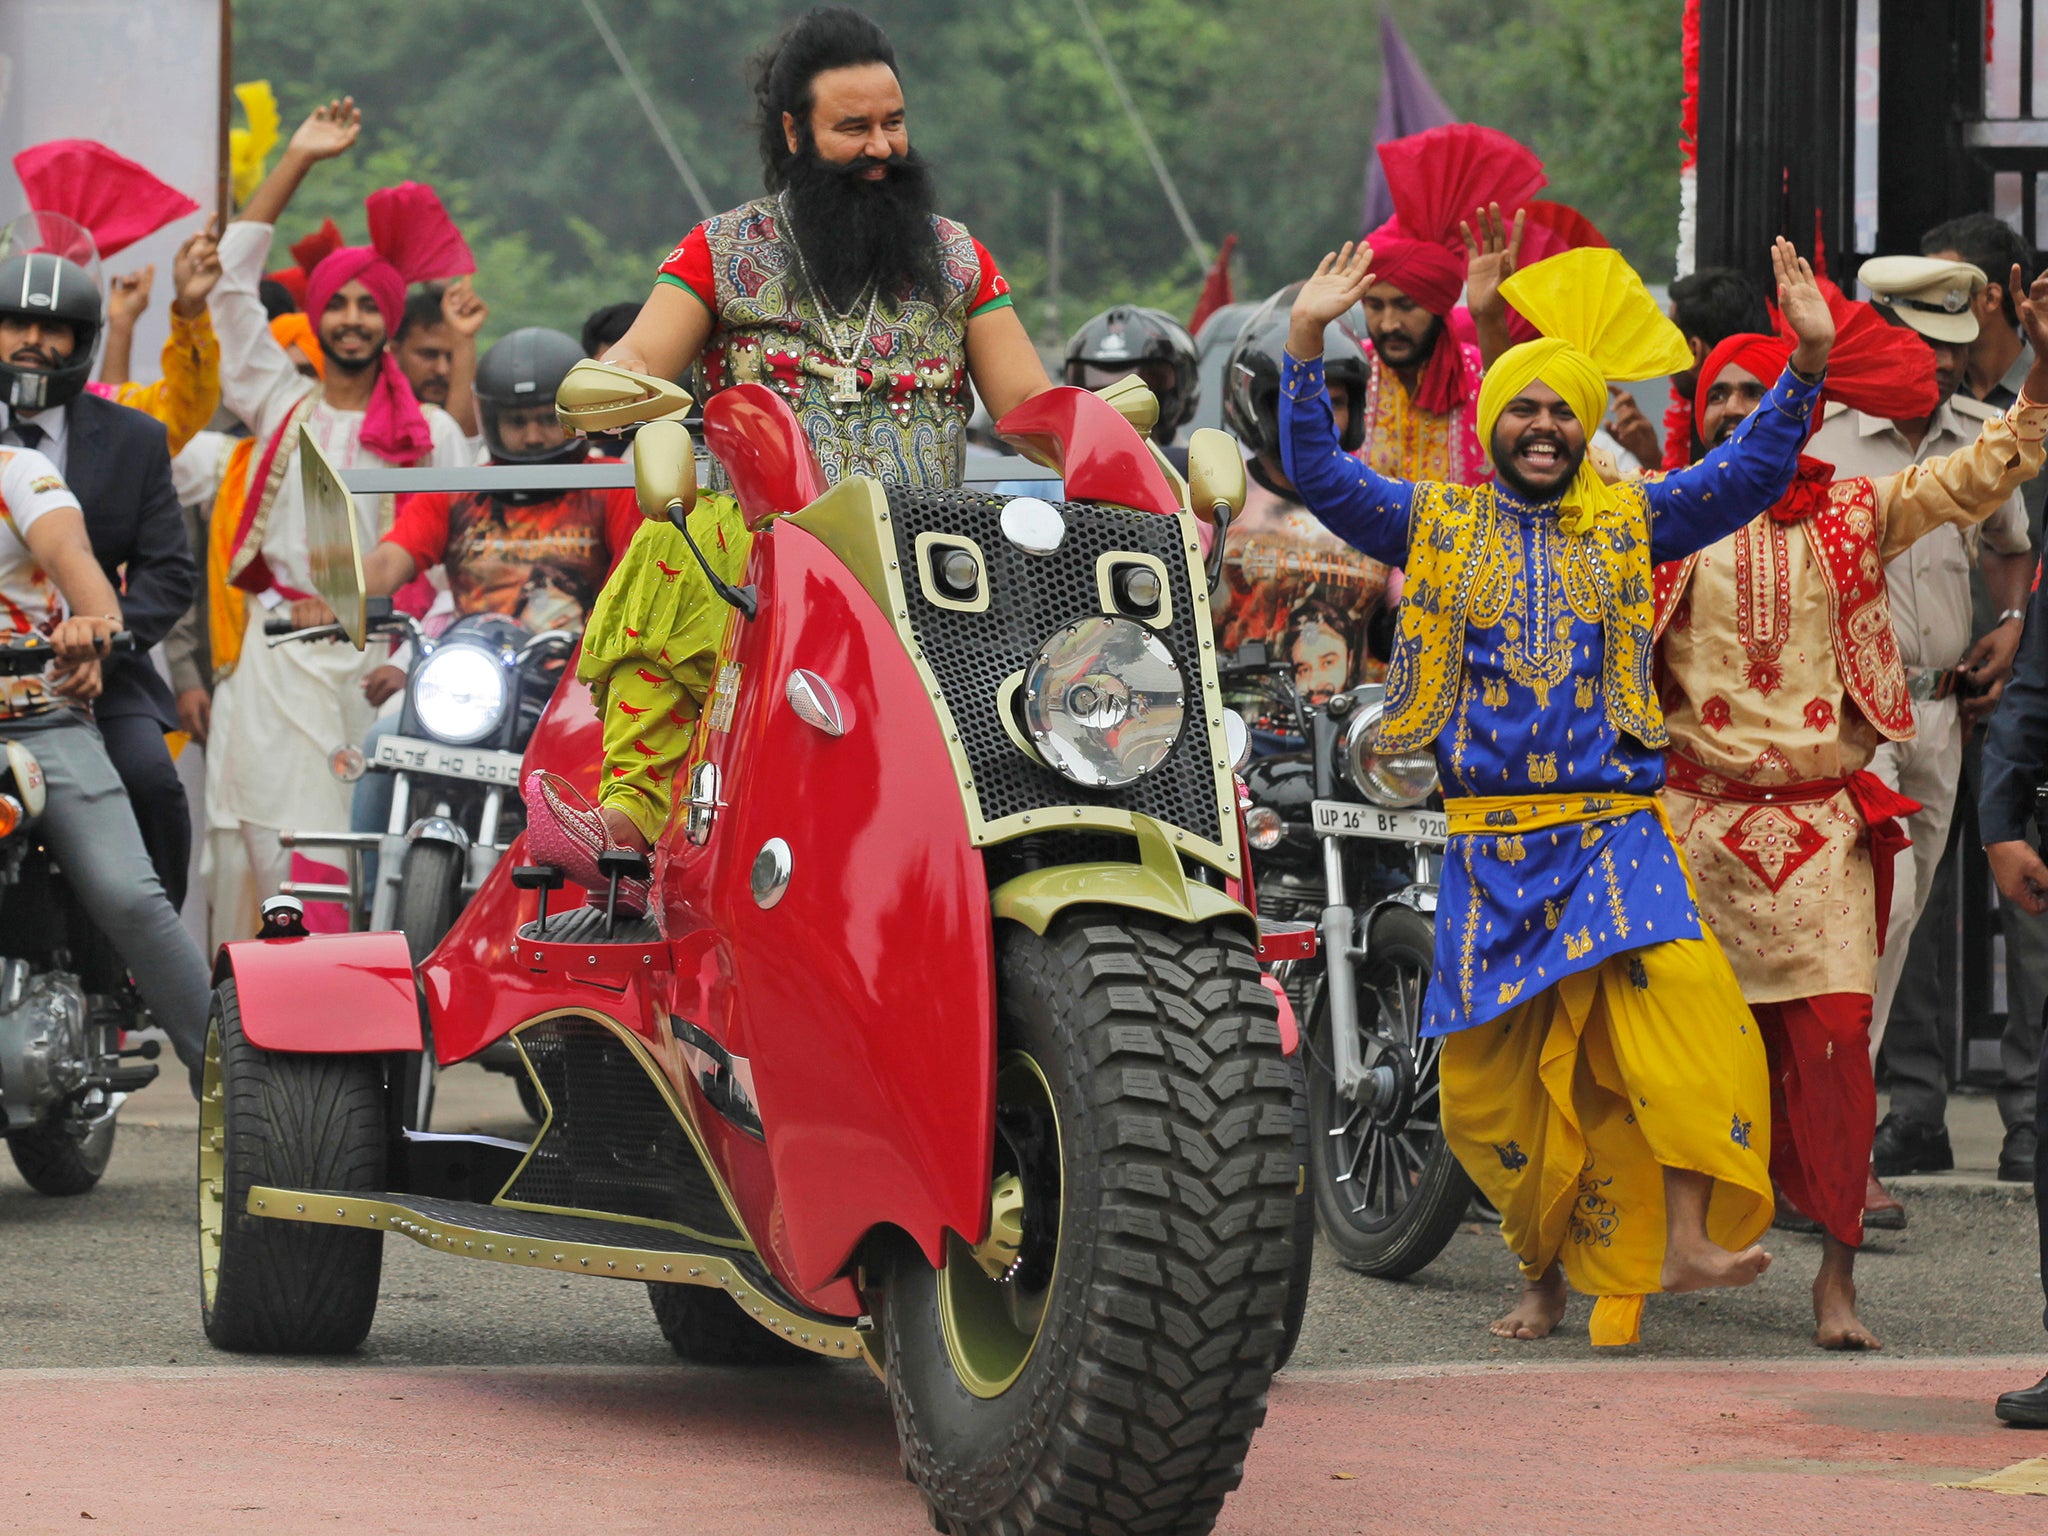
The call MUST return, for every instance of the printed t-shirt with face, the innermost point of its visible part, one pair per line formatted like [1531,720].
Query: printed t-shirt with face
[30,489]
[541,563]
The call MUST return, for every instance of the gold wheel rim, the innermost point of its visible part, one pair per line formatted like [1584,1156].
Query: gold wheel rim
[213,1168]
[992,1325]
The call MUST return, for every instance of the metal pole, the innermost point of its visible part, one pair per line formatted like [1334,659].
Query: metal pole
[224,182]
[1166,184]
[1052,269]
[632,79]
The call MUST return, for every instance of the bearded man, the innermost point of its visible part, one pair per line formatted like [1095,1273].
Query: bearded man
[281,711]
[1602,1080]
[841,289]
[1777,704]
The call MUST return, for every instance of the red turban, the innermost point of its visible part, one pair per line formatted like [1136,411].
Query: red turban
[1437,180]
[413,241]
[115,200]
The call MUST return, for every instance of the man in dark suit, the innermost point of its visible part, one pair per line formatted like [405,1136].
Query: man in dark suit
[117,462]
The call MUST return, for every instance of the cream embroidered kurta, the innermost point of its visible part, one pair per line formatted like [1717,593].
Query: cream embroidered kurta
[1752,692]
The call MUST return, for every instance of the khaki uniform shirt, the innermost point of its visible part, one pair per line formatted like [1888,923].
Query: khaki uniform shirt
[1752,692]
[1930,582]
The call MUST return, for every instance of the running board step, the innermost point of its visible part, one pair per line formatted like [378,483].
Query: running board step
[572,1245]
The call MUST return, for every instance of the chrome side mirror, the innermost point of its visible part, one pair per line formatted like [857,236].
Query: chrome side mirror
[597,397]
[665,471]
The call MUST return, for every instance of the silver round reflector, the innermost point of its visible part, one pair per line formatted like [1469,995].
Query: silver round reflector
[1104,701]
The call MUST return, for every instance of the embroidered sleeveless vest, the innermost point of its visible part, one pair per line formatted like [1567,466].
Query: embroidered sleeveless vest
[1455,546]
[908,425]
[1844,538]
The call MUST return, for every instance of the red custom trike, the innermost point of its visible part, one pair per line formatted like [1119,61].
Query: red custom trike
[943,1045]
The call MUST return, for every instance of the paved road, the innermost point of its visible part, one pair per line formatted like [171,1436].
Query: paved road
[509,1396]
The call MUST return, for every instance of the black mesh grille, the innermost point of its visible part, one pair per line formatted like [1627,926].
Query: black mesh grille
[613,1144]
[971,654]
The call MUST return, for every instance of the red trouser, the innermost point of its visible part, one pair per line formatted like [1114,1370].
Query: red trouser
[1823,1105]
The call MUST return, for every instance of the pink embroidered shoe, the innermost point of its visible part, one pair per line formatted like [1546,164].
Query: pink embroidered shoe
[565,830]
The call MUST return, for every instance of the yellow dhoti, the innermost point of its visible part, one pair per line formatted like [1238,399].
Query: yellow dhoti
[1567,1110]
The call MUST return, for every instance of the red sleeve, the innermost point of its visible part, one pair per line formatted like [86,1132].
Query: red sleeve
[689,266]
[622,520]
[993,291]
[420,528]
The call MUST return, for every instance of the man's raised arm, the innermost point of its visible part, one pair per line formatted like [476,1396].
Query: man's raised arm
[1744,477]
[1363,508]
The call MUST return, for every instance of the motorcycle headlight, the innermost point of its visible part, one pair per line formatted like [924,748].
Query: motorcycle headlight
[1396,780]
[1104,701]
[459,694]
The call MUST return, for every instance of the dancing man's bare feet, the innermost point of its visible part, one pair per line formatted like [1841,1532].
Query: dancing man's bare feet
[1692,1260]
[1835,1323]
[1539,1311]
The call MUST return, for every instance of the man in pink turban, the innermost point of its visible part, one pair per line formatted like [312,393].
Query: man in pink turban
[279,713]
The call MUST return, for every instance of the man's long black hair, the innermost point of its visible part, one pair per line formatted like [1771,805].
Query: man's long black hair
[829,37]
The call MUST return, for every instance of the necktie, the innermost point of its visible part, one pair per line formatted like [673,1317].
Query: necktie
[30,434]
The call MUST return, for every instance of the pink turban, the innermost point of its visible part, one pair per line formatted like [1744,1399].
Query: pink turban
[1437,179]
[412,241]
[394,427]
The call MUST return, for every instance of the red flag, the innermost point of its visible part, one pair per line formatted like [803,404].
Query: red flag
[1215,287]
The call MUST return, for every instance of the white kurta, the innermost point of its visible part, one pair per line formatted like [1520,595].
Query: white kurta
[283,710]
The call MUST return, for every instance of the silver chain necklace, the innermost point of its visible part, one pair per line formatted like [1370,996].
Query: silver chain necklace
[846,372]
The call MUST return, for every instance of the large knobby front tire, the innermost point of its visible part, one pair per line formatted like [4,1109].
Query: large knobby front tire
[1389,1193]
[1112,1376]
[292,1122]
[53,1161]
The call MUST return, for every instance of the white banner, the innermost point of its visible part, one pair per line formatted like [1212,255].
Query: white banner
[140,76]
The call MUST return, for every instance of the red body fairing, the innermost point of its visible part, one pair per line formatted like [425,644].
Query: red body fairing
[763,448]
[1094,449]
[332,994]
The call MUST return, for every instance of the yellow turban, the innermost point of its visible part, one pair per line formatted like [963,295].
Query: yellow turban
[1599,323]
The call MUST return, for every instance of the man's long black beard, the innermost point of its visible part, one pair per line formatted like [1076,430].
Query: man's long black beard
[854,232]
[352,366]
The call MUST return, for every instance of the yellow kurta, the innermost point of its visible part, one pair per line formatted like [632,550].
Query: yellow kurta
[188,394]
[1752,692]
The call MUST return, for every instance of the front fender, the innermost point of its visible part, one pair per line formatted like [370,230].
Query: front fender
[330,994]
[1157,883]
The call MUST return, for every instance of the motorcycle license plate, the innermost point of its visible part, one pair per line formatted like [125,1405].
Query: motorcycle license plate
[1340,818]
[480,764]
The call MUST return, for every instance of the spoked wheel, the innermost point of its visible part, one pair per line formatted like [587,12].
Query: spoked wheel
[1388,1191]
[54,1161]
[304,1122]
[1100,1360]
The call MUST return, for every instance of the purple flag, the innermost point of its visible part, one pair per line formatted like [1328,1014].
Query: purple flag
[1408,104]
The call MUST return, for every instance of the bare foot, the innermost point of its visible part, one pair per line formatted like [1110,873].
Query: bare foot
[1835,1323]
[1539,1311]
[1702,1266]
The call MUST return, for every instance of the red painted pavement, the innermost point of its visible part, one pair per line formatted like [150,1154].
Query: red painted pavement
[1854,1447]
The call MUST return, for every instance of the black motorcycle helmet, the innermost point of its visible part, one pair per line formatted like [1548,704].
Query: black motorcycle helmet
[41,286]
[1251,379]
[1150,343]
[522,371]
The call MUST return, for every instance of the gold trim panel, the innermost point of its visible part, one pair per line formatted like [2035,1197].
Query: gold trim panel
[607,1260]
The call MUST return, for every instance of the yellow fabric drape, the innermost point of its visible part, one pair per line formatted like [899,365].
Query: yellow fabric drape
[227,611]
[250,147]
[1567,1110]
[188,394]
[1598,324]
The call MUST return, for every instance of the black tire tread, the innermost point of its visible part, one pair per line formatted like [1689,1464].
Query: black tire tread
[307,1122]
[1143,1420]
[54,1162]
[707,1327]
[429,896]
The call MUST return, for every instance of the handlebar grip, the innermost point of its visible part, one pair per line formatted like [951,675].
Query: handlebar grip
[278,626]
[122,644]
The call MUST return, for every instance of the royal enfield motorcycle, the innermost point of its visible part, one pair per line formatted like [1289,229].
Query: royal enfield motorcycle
[1343,836]
[66,1002]
[944,1043]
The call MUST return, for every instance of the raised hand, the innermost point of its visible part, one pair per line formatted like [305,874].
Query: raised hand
[128,297]
[1339,281]
[1491,257]
[462,309]
[329,131]
[1804,307]
[2033,306]
[195,270]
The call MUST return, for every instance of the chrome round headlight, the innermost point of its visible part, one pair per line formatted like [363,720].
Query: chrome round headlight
[1104,701]
[1396,780]
[458,693]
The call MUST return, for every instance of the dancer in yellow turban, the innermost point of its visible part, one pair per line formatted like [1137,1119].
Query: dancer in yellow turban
[1603,1081]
